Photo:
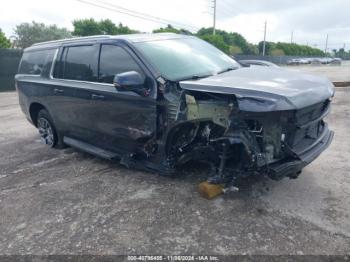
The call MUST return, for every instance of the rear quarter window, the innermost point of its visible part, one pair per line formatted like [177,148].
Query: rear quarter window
[36,62]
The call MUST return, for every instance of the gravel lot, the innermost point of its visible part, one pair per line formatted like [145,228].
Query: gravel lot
[334,72]
[68,202]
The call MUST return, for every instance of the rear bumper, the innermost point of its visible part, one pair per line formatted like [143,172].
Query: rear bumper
[302,158]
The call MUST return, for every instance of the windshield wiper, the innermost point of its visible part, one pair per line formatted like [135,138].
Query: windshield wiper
[227,69]
[194,77]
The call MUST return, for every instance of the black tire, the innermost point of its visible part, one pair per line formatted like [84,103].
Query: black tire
[48,131]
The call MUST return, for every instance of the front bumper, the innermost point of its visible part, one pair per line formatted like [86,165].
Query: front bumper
[302,157]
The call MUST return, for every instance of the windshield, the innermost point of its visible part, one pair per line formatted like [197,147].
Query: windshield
[184,58]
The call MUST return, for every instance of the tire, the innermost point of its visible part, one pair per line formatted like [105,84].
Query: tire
[47,130]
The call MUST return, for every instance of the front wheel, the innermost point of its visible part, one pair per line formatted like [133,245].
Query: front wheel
[47,131]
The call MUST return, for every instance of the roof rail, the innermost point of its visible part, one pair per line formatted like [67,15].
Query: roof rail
[73,39]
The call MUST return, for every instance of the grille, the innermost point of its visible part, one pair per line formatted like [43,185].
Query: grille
[307,114]
[306,125]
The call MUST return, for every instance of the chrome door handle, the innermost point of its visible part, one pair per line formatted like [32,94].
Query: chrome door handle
[97,97]
[58,91]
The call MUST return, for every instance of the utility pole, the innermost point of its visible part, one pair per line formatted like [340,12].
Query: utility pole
[214,16]
[291,37]
[325,49]
[264,44]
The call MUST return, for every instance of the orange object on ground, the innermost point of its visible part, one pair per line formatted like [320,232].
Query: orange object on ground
[210,191]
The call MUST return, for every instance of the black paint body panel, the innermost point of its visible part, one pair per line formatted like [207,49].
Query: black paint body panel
[94,115]
[93,112]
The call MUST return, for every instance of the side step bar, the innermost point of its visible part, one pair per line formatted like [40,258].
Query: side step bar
[90,148]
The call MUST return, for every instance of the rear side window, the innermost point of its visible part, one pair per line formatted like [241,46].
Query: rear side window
[80,63]
[35,62]
[115,60]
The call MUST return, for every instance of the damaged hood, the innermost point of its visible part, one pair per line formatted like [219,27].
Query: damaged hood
[267,89]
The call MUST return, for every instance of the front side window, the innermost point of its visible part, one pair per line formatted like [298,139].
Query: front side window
[115,60]
[80,63]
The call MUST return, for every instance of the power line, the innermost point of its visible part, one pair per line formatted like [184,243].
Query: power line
[146,15]
[220,10]
[122,10]
[224,12]
[227,9]
[226,6]
[233,8]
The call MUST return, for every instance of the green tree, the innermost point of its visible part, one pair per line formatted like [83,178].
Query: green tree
[302,50]
[234,50]
[107,27]
[341,53]
[4,42]
[29,33]
[171,29]
[269,46]
[277,52]
[168,29]
[230,39]
[253,49]
[218,41]
[87,27]
[125,30]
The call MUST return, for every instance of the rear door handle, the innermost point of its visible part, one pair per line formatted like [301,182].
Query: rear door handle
[58,91]
[97,97]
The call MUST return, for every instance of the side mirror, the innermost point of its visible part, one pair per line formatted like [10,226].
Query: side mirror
[129,81]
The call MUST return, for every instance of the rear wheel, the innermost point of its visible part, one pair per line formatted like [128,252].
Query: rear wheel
[47,130]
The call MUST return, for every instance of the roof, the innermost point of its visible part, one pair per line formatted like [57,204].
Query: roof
[133,38]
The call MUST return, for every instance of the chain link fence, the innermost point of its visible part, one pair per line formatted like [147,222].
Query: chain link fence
[279,60]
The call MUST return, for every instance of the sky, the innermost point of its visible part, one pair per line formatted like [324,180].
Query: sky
[309,20]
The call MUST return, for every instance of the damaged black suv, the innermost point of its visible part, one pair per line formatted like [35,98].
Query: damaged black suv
[158,101]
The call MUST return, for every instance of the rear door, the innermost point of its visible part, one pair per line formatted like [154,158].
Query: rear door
[74,73]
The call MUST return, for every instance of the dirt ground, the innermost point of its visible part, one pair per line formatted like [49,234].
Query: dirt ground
[68,202]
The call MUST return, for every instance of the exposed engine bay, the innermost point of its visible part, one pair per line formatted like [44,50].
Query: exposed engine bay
[212,128]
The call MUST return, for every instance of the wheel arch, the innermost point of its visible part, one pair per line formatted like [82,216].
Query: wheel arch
[34,110]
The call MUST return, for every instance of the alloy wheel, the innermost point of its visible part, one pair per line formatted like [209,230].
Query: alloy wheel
[46,132]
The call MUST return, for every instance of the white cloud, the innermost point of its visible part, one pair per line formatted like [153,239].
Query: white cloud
[310,20]
[251,25]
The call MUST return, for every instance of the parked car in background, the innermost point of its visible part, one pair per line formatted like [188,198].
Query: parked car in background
[257,62]
[305,61]
[158,101]
[294,61]
[299,61]
[314,61]
[326,60]
[336,61]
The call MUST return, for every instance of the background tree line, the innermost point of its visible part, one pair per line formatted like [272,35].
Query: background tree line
[232,43]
